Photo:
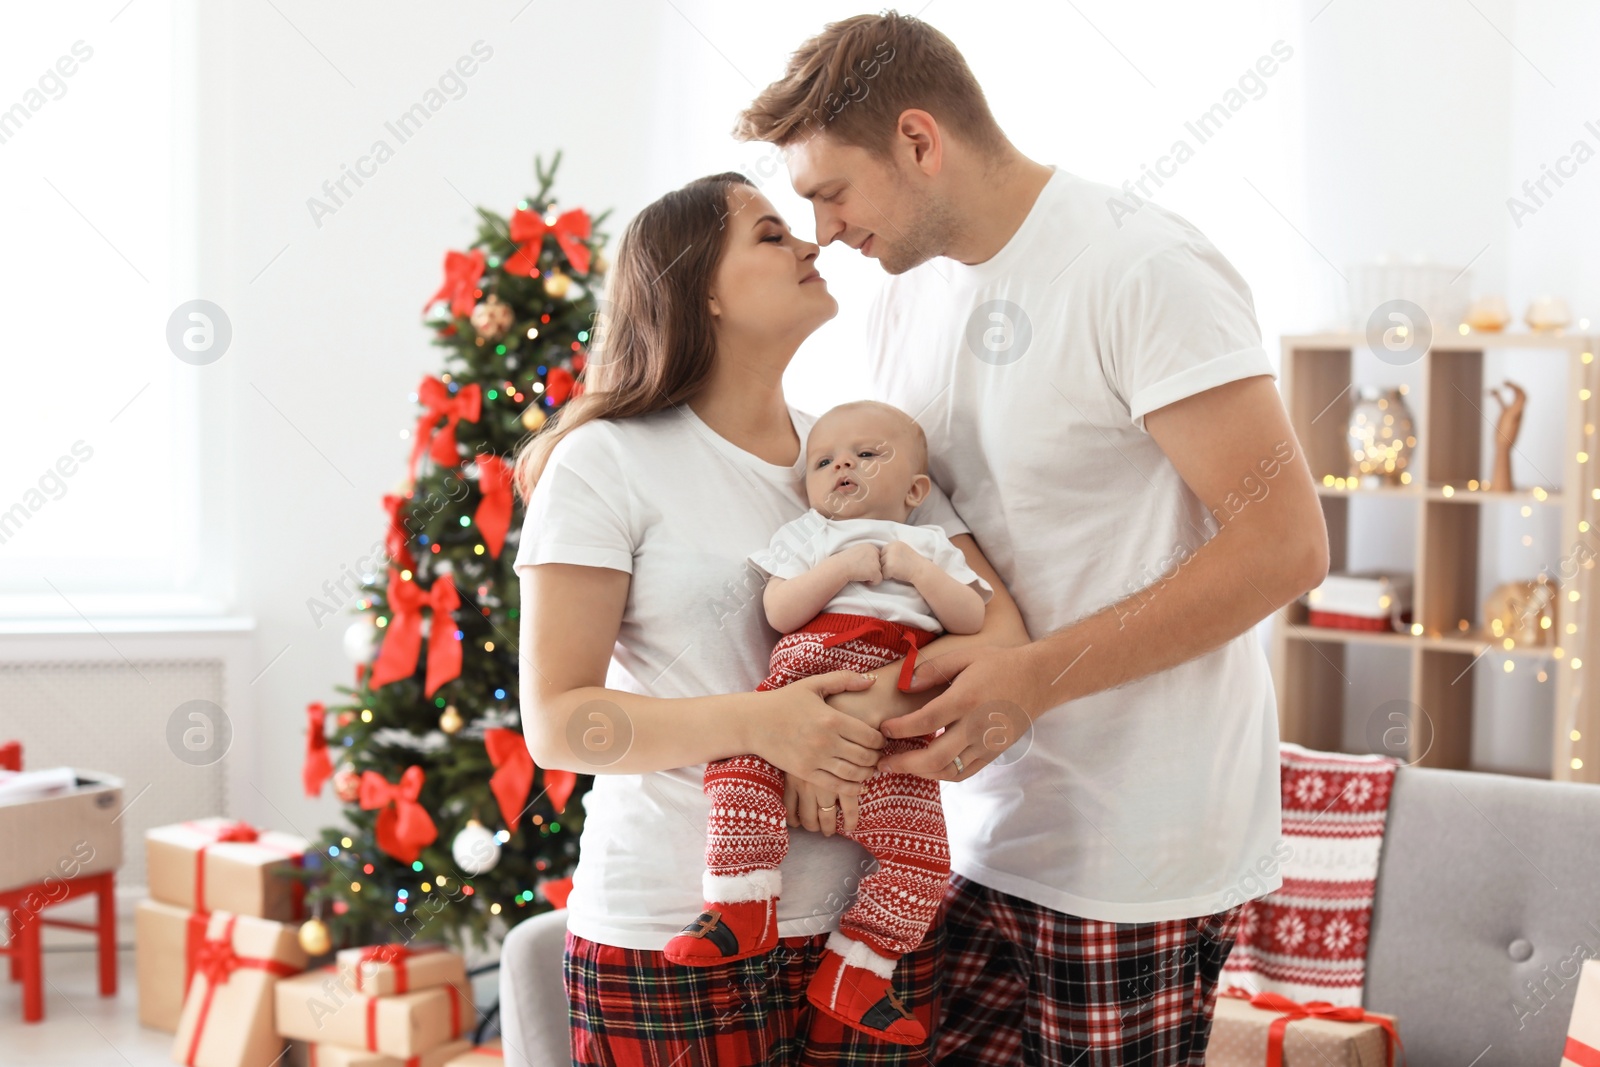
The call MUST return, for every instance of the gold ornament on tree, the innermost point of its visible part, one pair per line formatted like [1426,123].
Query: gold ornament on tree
[533,418]
[492,319]
[314,936]
[556,285]
[450,721]
[1505,432]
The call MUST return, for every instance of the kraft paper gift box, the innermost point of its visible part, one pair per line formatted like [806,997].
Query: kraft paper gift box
[319,1006]
[1241,1035]
[166,941]
[1583,1032]
[67,834]
[325,1055]
[225,865]
[485,1055]
[382,970]
[227,1014]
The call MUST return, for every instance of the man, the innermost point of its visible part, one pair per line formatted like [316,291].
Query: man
[1100,409]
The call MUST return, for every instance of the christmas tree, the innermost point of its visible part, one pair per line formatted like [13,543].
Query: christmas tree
[451,828]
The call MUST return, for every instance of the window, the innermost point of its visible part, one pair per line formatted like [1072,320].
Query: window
[99,488]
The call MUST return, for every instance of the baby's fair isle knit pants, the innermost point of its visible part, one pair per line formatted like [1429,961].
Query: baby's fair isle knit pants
[900,820]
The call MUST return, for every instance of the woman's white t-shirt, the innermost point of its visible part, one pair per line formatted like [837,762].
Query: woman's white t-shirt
[680,508]
[802,544]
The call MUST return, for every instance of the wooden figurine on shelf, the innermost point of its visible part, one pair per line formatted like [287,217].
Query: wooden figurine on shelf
[1505,432]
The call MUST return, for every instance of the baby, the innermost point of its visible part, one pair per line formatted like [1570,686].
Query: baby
[853,587]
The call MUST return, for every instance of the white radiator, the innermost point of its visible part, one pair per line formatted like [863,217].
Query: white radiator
[105,699]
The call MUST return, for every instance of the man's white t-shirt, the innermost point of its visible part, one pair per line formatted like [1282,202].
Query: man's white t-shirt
[802,544]
[680,508]
[1032,373]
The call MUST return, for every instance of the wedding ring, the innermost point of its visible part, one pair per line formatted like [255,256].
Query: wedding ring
[960,767]
[829,807]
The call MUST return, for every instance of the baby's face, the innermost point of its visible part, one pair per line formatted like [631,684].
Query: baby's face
[861,463]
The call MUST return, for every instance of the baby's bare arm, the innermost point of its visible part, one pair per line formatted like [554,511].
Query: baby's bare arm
[958,607]
[790,603]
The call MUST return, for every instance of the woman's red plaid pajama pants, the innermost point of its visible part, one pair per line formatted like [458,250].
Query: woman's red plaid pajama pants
[900,820]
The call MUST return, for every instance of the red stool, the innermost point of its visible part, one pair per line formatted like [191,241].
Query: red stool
[23,906]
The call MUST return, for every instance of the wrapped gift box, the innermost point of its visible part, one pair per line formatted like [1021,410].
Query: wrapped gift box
[227,1014]
[485,1055]
[325,1055]
[1241,1036]
[1583,1032]
[382,970]
[225,865]
[166,941]
[65,833]
[320,1006]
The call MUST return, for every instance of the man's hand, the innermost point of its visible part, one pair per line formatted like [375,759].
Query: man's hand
[804,803]
[987,709]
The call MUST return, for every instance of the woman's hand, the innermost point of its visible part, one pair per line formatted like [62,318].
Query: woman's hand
[810,807]
[806,739]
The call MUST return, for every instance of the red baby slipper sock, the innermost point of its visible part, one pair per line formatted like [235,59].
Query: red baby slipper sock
[852,985]
[740,920]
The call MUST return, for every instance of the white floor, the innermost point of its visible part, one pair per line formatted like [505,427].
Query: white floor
[80,1028]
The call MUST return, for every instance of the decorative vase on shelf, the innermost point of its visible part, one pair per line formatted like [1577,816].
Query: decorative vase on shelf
[1382,435]
[1523,612]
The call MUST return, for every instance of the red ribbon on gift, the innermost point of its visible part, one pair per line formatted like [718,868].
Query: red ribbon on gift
[395,956]
[464,403]
[1581,1054]
[461,273]
[239,831]
[909,636]
[395,544]
[372,1018]
[513,775]
[318,768]
[404,827]
[493,516]
[217,962]
[528,228]
[403,639]
[194,935]
[1312,1009]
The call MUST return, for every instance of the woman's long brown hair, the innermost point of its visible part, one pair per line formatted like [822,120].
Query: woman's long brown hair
[656,338]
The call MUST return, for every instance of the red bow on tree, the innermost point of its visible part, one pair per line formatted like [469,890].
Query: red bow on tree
[461,273]
[433,394]
[403,639]
[318,768]
[404,827]
[558,385]
[528,228]
[395,545]
[493,516]
[558,786]
[513,775]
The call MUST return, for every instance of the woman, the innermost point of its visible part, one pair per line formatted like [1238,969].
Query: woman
[644,639]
